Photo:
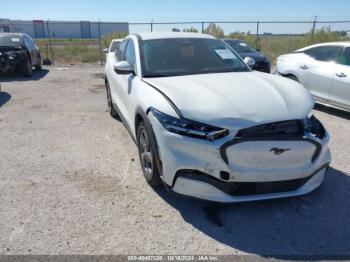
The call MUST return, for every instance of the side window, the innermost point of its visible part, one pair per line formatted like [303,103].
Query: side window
[26,43]
[31,42]
[120,50]
[130,53]
[114,46]
[324,53]
[344,59]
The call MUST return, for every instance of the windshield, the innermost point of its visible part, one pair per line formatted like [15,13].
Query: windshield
[10,40]
[240,47]
[186,56]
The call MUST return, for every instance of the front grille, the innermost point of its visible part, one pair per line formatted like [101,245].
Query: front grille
[252,188]
[293,128]
[244,188]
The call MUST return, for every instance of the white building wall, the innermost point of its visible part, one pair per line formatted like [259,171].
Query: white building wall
[18,26]
[66,29]
[108,28]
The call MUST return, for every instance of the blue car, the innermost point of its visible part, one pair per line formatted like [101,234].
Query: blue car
[262,62]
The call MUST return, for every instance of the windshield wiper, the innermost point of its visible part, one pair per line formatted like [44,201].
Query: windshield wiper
[227,70]
[157,75]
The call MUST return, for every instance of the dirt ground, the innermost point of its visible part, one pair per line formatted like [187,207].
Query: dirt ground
[70,183]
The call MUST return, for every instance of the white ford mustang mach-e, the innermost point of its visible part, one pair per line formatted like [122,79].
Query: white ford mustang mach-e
[207,126]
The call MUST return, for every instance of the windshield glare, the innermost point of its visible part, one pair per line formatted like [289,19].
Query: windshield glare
[241,47]
[186,56]
[10,40]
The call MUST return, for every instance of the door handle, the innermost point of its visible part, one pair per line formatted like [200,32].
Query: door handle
[340,75]
[304,67]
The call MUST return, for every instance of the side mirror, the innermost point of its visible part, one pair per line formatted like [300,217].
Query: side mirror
[124,68]
[106,50]
[249,61]
[258,49]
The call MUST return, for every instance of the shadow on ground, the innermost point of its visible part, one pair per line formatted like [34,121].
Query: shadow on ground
[4,98]
[37,75]
[317,224]
[332,111]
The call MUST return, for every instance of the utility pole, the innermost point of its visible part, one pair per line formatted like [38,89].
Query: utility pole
[100,41]
[50,43]
[257,35]
[313,29]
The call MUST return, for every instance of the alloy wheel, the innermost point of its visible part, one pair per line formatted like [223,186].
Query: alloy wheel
[146,153]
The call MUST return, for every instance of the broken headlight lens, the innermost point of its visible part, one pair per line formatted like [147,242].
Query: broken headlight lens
[314,127]
[190,128]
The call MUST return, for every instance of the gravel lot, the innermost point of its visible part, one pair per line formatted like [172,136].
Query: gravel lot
[70,183]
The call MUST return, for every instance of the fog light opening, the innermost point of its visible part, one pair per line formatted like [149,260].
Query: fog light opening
[224,175]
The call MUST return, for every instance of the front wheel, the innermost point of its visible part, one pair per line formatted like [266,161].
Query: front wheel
[148,155]
[27,68]
[110,106]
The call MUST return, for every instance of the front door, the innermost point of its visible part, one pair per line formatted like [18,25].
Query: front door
[317,71]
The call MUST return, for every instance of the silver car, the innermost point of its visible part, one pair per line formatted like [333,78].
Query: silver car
[324,69]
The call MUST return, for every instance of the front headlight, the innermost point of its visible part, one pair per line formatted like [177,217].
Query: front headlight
[314,127]
[190,128]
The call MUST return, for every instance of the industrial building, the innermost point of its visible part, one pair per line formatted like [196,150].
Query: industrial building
[62,29]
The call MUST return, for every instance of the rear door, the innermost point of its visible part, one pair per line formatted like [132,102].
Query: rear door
[316,72]
[340,91]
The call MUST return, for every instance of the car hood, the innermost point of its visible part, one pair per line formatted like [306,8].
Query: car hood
[258,57]
[236,99]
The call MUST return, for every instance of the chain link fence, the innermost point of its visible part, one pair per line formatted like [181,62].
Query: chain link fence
[84,41]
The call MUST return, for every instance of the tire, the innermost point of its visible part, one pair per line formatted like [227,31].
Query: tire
[38,67]
[27,68]
[47,62]
[113,113]
[148,155]
[293,78]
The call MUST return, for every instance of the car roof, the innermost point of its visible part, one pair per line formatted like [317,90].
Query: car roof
[344,43]
[164,35]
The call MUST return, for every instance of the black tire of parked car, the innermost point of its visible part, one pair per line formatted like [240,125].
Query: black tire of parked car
[47,61]
[27,67]
[110,106]
[152,175]
[38,67]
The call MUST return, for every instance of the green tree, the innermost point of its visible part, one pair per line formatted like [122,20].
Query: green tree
[107,38]
[214,30]
[191,29]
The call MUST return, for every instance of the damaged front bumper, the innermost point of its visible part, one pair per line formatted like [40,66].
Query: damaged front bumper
[233,170]
[8,62]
